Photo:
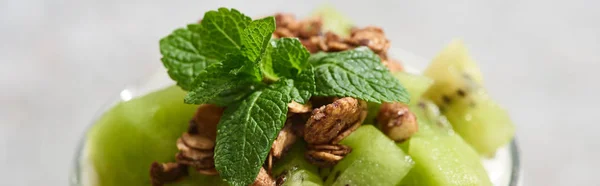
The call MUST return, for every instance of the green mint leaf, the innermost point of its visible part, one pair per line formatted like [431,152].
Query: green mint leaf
[247,130]
[266,64]
[221,32]
[256,37]
[182,57]
[220,78]
[356,73]
[236,94]
[289,56]
[304,85]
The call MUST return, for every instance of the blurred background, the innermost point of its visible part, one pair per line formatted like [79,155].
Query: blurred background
[61,60]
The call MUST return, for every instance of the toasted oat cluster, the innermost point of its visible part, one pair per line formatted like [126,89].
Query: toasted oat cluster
[312,36]
[396,121]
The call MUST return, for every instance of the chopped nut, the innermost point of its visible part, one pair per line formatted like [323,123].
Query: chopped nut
[330,36]
[329,121]
[196,141]
[283,141]
[310,27]
[162,173]
[372,37]
[191,153]
[199,164]
[309,45]
[263,179]
[396,121]
[196,146]
[336,46]
[295,107]
[335,43]
[206,119]
[284,19]
[319,42]
[283,32]
[326,155]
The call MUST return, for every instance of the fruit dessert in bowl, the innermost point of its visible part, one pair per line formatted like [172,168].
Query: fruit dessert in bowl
[286,101]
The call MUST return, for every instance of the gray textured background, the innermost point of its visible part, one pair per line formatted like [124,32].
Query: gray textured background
[61,60]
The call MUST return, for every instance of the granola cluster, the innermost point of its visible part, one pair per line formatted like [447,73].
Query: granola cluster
[397,121]
[196,148]
[328,125]
[310,33]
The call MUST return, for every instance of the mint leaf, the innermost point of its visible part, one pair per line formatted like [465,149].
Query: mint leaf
[182,58]
[187,51]
[236,94]
[304,85]
[221,32]
[220,77]
[256,37]
[289,56]
[356,73]
[247,130]
[266,64]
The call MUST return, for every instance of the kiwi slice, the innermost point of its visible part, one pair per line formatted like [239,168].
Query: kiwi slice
[459,93]
[441,156]
[374,160]
[295,170]
[133,134]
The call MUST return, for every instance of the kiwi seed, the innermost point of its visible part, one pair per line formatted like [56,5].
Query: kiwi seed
[446,99]
[461,93]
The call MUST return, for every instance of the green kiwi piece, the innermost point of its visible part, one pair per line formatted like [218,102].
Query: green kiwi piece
[442,157]
[374,160]
[295,170]
[458,91]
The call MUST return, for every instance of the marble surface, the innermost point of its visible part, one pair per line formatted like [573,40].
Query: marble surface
[61,60]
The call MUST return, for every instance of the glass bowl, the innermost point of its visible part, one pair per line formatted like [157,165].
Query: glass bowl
[504,169]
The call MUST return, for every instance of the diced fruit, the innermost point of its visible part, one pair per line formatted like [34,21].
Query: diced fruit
[455,56]
[302,177]
[458,90]
[133,134]
[416,85]
[374,160]
[484,124]
[334,21]
[298,171]
[441,157]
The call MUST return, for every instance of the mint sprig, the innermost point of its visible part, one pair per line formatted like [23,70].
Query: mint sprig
[232,61]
